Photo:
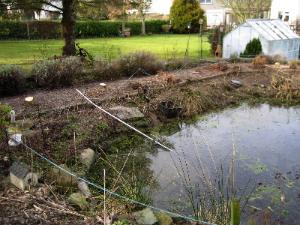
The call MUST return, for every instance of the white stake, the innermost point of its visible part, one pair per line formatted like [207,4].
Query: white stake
[104,197]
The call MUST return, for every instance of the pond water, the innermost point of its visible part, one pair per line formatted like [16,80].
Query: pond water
[265,142]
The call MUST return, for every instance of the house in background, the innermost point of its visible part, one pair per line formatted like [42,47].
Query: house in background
[216,13]
[287,11]
[275,36]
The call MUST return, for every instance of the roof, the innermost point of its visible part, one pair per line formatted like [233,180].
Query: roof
[272,30]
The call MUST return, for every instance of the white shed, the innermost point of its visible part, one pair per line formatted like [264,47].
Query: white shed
[275,36]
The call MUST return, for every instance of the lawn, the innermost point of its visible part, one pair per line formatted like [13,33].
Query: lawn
[165,46]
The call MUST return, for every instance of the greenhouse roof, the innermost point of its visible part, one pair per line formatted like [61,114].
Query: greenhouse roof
[272,30]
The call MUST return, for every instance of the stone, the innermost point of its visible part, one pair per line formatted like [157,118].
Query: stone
[84,189]
[24,124]
[164,219]
[87,157]
[126,113]
[21,176]
[15,140]
[12,116]
[61,177]
[169,109]
[79,200]
[145,217]
[236,83]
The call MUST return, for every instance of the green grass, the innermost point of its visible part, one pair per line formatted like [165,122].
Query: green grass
[165,46]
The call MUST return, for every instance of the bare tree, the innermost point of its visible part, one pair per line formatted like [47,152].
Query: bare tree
[247,9]
[142,6]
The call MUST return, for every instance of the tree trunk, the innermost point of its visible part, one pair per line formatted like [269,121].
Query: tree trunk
[142,15]
[143,26]
[68,27]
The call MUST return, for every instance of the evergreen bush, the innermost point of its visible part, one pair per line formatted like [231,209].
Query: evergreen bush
[184,13]
[253,49]
[83,29]
[12,80]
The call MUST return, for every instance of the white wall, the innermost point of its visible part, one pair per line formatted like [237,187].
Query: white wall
[215,17]
[287,7]
[161,6]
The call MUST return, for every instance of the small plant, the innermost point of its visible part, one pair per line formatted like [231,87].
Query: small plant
[4,115]
[12,80]
[122,222]
[58,72]
[253,49]
[293,64]
[286,87]
[259,61]
[139,63]
[4,119]
[105,70]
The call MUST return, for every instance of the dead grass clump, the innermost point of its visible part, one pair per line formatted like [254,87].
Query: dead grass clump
[168,78]
[280,59]
[138,64]
[219,66]
[287,88]
[294,64]
[105,70]
[259,62]
[193,102]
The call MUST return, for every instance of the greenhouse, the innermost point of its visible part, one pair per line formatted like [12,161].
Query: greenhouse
[275,36]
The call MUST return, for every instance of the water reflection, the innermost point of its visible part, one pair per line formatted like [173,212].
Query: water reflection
[267,141]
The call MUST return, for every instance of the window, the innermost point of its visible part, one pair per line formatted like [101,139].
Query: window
[206,1]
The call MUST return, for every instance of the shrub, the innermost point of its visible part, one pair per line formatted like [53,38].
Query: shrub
[260,61]
[12,80]
[58,72]
[184,12]
[4,115]
[37,30]
[104,70]
[83,29]
[278,58]
[139,63]
[253,48]
[293,64]
[286,87]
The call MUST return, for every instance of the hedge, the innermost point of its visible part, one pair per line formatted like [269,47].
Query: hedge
[83,29]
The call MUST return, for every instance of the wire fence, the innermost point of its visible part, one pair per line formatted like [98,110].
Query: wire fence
[101,188]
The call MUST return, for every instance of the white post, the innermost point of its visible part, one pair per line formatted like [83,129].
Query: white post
[104,197]
[12,116]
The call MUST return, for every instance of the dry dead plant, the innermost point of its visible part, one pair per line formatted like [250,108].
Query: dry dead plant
[286,87]
[259,62]
[192,102]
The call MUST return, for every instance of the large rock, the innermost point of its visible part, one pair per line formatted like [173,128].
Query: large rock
[145,217]
[163,219]
[126,113]
[25,124]
[84,189]
[61,177]
[79,200]
[87,157]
